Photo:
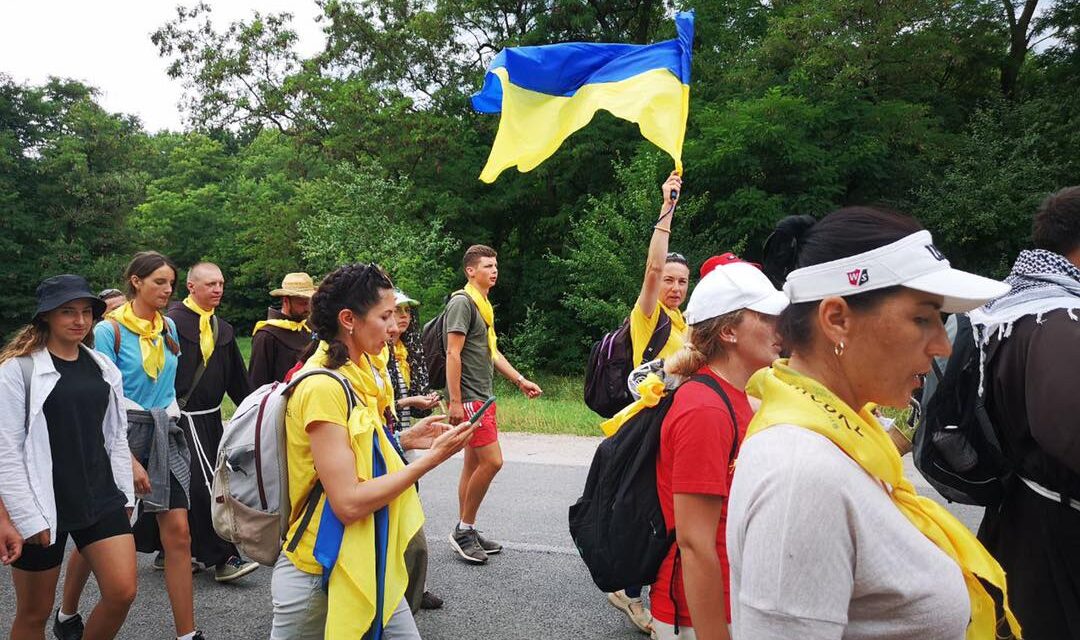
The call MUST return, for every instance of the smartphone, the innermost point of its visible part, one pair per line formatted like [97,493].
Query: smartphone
[475,419]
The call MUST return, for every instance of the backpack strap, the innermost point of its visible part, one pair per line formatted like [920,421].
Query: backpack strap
[659,338]
[711,382]
[305,520]
[312,500]
[116,336]
[26,365]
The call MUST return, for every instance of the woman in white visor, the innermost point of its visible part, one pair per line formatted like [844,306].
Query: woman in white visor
[826,537]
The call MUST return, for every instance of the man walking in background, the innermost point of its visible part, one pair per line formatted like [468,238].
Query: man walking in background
[472,356]
[210,366]
[279,340]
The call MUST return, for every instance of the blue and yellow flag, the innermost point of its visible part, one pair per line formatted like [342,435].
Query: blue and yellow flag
[547,93]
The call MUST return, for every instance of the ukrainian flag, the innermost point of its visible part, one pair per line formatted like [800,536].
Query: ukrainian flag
[548,92]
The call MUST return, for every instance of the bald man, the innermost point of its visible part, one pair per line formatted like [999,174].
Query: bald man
[210,366]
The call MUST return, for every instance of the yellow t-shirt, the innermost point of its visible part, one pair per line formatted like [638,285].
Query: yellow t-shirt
[316,399]
[642,327]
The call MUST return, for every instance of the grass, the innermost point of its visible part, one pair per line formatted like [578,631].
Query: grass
[560,410]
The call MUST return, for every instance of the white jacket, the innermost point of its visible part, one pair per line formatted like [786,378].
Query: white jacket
[26,483]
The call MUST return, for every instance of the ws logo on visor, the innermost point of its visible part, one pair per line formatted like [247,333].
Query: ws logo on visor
[858,277]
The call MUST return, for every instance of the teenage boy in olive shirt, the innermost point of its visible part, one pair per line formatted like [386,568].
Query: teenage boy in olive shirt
[470,365]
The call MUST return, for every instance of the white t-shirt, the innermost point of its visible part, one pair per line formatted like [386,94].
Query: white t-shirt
[818,550]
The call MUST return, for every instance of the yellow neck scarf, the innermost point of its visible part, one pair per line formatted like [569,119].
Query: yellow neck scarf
[650,392]
[382,395]
[151,342]
[488,315]
[281,323]
[789,397]
[678,322]
[401,356]
[353,590]
[206,331]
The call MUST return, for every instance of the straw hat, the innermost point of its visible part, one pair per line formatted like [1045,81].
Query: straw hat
[299,285]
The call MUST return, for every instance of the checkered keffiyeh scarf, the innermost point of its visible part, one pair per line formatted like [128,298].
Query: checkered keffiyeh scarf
[1042,281]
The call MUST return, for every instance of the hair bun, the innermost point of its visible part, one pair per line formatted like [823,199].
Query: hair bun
[781,251]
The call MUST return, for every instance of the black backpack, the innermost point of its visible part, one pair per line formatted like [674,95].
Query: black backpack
[956,447]
[611,361]
[433,338]
[617,524]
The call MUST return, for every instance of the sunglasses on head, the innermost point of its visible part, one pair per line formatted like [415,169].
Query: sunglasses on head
[677,257]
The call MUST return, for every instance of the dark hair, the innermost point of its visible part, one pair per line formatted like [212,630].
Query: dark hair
[800,241]
[355,287]
[474,253]
[1057,223]
[142,265]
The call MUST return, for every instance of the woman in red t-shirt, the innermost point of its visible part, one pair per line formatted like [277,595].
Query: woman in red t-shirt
[732,316]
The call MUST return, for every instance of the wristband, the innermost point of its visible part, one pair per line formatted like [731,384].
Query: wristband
[658,228]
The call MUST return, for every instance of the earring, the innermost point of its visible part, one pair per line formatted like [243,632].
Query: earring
[838,348]
[350,331]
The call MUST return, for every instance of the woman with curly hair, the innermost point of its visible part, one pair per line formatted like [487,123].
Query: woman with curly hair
[354,500]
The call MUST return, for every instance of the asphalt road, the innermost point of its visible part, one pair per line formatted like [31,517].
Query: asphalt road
[537,588]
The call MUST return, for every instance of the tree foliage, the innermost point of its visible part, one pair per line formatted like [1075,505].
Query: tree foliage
[963,112]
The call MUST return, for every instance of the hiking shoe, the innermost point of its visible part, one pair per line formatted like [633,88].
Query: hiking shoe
[430,601]
[467,544]
[70,630]
[490,547]
[634,608]
[234,568]
[159,563]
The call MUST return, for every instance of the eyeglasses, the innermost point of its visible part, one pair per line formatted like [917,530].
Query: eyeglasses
[677,257]
[109,293]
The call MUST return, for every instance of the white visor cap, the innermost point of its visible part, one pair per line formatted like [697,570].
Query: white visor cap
[734,286]
[913,262]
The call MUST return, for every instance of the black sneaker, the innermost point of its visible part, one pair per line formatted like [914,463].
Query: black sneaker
[490,547]
[467,544]
[70,630]
[430,601]
[198,636]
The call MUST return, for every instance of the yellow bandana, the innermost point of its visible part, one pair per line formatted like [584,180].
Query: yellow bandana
[483,305]
[651,390]
[281,323]
[678,322]
[206,331]
[151,343]
[352,592]
[401,356]
[383,395]
[789,397]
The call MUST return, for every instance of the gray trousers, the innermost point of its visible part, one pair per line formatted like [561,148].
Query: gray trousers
[300,607]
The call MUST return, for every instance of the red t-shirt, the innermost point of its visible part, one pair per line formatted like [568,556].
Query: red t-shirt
[695,452]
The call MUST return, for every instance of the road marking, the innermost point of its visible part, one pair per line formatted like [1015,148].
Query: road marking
[539,548]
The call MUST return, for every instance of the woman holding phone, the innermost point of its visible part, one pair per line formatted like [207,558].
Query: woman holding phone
[354,500]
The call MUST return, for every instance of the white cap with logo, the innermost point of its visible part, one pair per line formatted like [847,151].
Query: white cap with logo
[913,262]
[733,286]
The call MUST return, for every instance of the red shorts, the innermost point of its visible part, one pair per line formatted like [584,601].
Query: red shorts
[487,432]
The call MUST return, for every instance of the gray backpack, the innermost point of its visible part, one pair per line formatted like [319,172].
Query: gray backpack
[250,505]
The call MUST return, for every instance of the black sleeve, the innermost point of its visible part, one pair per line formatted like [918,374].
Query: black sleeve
[1052,376]
[262,360]
[238,386]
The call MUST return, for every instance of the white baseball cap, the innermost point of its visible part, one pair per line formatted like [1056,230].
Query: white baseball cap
[401,299]
[913,262]
[733,286]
